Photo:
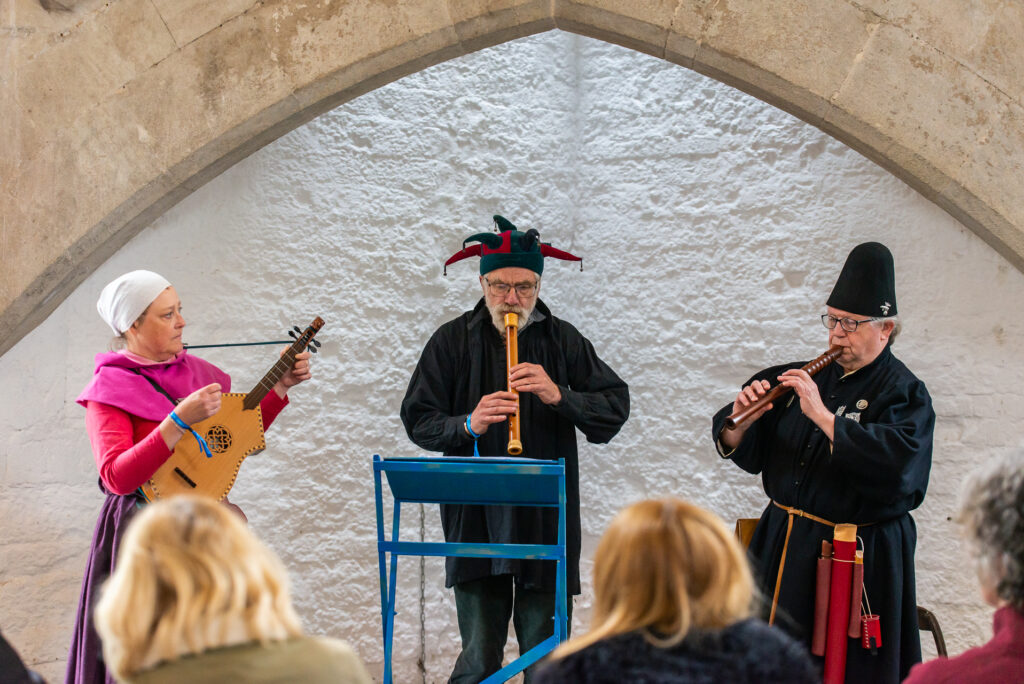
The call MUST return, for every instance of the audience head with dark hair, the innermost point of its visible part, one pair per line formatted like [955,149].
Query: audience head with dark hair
[12,669]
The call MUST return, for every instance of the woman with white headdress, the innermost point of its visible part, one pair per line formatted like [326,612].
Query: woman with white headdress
[140,402]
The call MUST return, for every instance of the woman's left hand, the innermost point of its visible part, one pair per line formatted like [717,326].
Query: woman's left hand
[300,372]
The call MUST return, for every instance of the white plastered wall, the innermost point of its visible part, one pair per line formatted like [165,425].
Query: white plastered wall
[712,226]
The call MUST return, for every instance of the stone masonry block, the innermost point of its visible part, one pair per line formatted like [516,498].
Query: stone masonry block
[947,122]
[995,167]
[482,24]
[79,70]
[189,19]
[983,35]
[795,54]
[640,26]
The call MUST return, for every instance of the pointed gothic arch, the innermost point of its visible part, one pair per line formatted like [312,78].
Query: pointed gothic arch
[118,110]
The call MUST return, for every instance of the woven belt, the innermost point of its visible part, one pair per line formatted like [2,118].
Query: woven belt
[791,512]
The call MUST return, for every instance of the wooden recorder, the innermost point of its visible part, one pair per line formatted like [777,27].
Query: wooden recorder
[515,446]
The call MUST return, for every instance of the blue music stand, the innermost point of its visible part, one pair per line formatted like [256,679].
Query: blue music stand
[477,481]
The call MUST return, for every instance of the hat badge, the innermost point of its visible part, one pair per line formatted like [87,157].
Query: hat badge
[862,404]
[885,308]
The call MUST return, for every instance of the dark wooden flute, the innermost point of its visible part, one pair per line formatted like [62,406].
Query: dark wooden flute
[743,415]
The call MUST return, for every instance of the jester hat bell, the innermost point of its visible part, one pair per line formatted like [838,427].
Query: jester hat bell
[509,247]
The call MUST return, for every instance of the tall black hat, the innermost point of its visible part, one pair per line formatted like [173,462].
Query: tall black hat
[867,283]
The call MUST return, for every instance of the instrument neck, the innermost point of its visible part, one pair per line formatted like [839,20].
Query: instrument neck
[280,367]
[276,372]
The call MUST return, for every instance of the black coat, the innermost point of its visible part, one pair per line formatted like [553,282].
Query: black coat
[748,652]
[463,361]
[875,471]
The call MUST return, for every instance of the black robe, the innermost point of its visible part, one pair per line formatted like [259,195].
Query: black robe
[876,471]
[463,361]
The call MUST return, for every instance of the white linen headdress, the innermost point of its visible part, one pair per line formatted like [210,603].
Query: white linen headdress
[124,299]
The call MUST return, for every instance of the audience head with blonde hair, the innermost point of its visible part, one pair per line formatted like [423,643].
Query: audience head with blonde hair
[190,577]
[673,597]
[666,567]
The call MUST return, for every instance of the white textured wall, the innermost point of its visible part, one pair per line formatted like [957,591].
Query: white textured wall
[713,227]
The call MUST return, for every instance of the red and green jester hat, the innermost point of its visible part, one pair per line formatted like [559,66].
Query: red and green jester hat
[509,247]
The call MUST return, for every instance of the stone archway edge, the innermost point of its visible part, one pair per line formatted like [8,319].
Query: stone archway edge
[117,110]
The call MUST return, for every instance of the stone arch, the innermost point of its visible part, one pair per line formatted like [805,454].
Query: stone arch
[117,110]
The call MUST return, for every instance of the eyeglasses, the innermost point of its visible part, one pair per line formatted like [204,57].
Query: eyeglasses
[502,289]
[848,324]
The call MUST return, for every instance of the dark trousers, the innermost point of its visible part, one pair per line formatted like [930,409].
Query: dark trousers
[484,607]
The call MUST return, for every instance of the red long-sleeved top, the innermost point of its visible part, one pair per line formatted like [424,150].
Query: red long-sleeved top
[128,449]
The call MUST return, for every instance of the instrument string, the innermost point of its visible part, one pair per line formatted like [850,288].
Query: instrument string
[235,344]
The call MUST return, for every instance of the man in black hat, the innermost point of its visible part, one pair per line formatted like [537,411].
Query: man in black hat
[852,444]
[457,402]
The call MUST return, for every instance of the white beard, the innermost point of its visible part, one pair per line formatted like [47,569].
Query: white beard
[499,311]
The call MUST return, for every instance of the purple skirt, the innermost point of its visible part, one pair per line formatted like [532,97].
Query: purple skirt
[85,660]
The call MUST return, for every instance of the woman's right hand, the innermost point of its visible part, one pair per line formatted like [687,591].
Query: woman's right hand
[199,405]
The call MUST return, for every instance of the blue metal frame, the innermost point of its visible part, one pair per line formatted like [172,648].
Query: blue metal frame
[480,481]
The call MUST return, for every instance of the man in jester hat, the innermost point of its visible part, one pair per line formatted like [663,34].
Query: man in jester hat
[457,404]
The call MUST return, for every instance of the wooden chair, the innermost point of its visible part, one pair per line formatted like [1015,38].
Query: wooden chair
[926,622]
[745,530]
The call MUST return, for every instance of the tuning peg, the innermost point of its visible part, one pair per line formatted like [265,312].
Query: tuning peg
[297,329]
[293,334]
[311,349]
[316,343]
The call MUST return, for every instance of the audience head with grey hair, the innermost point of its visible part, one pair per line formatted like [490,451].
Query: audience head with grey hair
[992,516]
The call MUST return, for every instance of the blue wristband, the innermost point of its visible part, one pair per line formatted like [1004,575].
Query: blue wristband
[469,429]
[188,428]
[179,422]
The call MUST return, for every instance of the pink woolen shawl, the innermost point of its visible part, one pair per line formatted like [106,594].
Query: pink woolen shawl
[117,384]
